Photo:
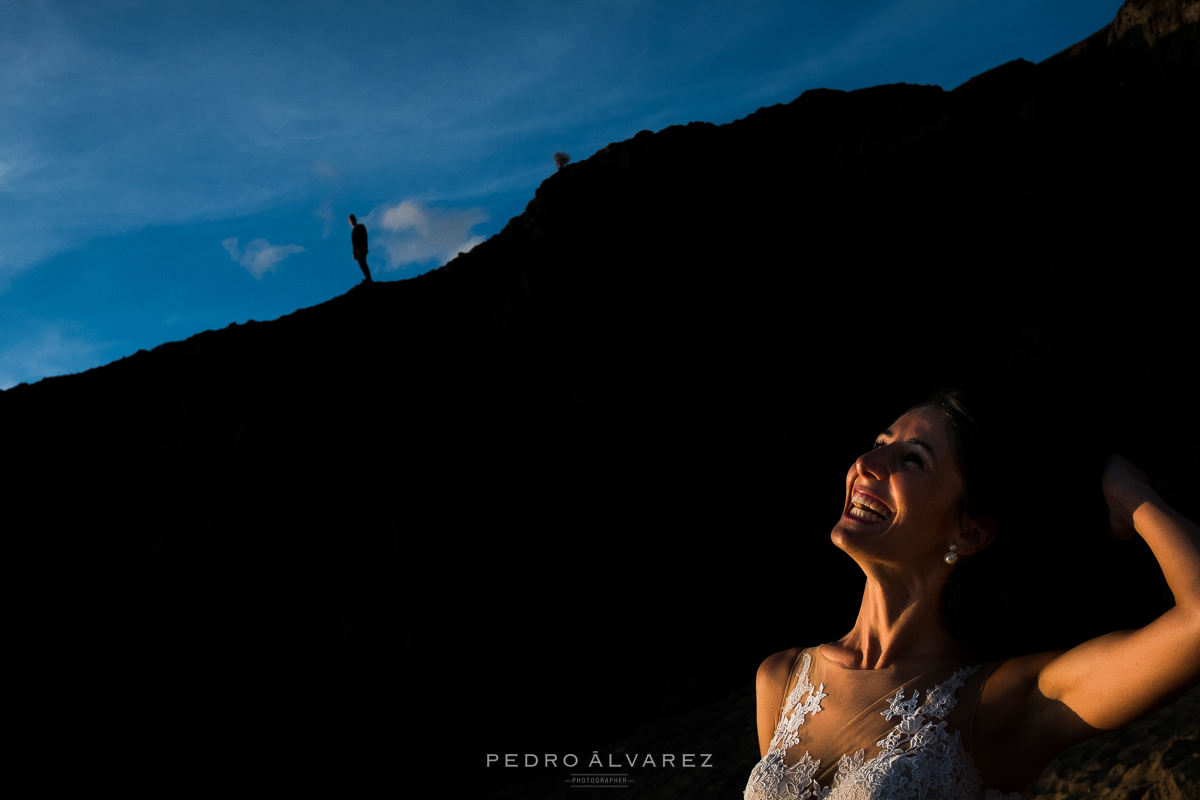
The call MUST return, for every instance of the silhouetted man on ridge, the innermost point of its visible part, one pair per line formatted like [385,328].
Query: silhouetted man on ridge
[358,238]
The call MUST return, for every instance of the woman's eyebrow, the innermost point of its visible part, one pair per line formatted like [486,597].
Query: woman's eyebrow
[915,441]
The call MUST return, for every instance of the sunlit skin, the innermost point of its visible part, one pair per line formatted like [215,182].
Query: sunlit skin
[913,473]
[1032,707]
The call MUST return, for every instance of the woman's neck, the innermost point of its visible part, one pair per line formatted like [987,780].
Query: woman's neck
[898,623]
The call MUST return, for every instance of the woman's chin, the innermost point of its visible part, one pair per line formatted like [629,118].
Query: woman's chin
[850,528]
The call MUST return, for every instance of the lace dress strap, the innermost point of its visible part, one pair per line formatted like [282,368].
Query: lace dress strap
[792,678]
[970,739]
[991,794]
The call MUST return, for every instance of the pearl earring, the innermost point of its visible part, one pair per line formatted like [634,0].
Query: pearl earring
[952,556]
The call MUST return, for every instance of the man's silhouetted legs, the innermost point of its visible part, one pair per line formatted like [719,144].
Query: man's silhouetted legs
[358,238]
[362,262]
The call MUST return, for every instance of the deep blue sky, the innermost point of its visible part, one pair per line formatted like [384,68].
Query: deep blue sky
[166,168]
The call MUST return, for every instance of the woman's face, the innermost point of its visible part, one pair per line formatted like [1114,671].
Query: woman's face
[902,496]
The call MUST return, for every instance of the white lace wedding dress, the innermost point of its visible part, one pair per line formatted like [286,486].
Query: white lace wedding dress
[873,735]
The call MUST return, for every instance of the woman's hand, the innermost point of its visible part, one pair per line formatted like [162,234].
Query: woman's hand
[1125,488]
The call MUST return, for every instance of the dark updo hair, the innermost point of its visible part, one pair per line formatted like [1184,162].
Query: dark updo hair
[976,602]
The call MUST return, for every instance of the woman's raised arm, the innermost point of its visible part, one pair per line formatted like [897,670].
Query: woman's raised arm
[1118,678]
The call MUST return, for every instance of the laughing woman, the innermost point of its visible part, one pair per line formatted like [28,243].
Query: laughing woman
[898,707]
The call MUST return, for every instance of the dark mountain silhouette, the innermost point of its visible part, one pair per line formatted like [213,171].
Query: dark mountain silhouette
[581,478]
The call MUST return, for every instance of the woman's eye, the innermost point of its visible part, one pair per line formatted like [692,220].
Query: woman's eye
[913,457]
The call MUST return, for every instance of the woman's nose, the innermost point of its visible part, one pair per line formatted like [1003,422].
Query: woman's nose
[873,463]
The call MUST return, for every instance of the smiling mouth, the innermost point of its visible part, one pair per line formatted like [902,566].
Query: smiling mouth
[865,514]
[867,509]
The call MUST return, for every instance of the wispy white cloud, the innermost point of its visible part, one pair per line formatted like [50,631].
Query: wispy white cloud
[53,349]
[324,212]
[326,169]
[9,170]
[413,234]
[260,256]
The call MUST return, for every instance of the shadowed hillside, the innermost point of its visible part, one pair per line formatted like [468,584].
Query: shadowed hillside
[581,479]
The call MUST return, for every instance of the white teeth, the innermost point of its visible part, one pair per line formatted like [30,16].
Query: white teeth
[864,514]
[863,502]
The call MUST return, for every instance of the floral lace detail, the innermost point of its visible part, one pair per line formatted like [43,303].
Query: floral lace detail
[919,759]
[795,709]
[771,777]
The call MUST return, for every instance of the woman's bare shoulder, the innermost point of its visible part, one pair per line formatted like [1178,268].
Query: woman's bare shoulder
[1017,728]
[775,670]
[1017,673]
[773,676]
[1010,690]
